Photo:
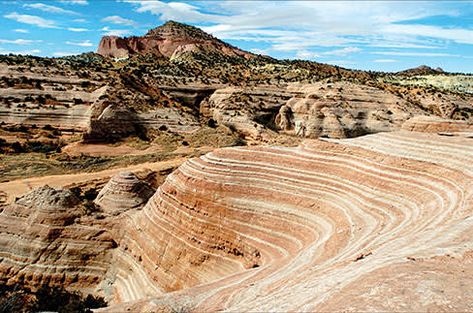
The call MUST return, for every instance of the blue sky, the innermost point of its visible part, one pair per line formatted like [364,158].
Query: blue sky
[369,35]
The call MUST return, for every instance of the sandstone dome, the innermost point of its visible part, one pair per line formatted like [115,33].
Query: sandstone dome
[124,191]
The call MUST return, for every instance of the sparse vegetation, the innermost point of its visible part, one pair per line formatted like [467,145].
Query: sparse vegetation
[17,298]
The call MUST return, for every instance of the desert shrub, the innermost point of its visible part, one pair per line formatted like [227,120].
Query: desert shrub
[17,298]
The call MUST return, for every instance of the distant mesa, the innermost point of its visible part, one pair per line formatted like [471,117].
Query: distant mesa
[422,70]
[170,40]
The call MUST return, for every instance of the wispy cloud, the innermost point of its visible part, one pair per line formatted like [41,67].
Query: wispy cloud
[385,61]
[118,20]
[63,54]
[115,32]
[79,2]
[31,20]
[343,51]
[48,8]
[303,26]
[415,54]
[77,30]
[19,41]
[178,11]
[21,30]
[306,55]
[85,43]
[341,62]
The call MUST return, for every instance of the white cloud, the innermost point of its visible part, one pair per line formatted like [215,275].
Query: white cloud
[458,35]
[115,32]
[48,8]
[415,54]
[300,26]
[178,11]
[80,20]
[85,43]
[63,54]
[31,20]
[343,51]
[19,41]
[306,55]
[259,51]
[79,2]
[21,30]
[77,30]
[115,19]
[385,61]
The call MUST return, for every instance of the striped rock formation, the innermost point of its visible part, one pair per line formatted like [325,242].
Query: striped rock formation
[376,223]
[123,192]
[47,239]
[430,124]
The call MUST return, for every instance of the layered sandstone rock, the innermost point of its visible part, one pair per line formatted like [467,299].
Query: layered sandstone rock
[430,124]
[340,110]
[48,239]
[110,122]
[123,192]
[41,98]
[335,110]
[267,228]
[299,229]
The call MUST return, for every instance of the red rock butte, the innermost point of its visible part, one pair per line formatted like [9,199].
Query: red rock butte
[170,40]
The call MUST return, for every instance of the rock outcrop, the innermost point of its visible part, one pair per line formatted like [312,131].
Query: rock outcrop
[123,192]
[111,121]
[430,124]
[298,229]
[172,40]
[47,239]
[268,228]
[334,110]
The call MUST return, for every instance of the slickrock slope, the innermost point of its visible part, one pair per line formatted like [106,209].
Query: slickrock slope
[172,40]
[324,109]
[124,191]
[341,110]
[384,216]
[434,124]
[41,96]
[326,226]
[48,239]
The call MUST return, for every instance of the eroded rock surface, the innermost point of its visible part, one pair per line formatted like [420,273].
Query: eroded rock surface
[48,239]
[123,192]
[268,228]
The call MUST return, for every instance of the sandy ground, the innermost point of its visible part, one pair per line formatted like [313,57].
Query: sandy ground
[18,187]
